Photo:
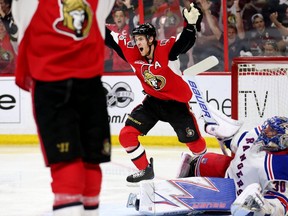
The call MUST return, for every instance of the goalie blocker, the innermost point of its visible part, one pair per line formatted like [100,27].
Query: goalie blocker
[217,124]
[194,195]
[225,127]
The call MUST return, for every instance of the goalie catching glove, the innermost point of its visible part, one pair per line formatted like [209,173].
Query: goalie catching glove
[193,17]
[252,202]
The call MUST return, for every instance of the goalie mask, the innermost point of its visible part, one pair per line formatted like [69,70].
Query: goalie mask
[274,134]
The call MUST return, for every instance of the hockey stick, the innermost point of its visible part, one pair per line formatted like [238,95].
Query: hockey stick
[201,66]
[208,118]
[188,76]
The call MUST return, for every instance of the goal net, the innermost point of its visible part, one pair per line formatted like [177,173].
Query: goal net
[259,89]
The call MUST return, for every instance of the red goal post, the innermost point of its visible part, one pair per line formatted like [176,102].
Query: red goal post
[259,89]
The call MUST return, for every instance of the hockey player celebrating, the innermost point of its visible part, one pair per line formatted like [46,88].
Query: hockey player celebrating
[156,65]
[258,167]
[60,62]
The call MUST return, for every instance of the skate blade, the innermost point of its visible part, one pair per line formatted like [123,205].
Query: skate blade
[131,200]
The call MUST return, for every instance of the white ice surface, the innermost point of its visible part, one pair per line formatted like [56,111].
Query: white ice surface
[25,181]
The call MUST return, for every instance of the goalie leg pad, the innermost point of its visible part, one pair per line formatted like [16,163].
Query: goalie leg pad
[184,169]
[225,128]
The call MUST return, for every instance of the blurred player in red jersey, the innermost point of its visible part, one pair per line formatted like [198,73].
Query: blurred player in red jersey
[120,26]
[7,54]
[61,62]
[156,65]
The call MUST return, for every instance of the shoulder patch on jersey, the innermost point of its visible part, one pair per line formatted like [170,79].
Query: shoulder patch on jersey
[130,44]
[163,42]
[122,37]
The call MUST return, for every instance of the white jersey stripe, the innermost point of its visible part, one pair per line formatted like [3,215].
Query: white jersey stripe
[103,9]
[269,167]
[137,152]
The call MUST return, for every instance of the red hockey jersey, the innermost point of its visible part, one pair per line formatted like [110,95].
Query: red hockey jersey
[60,39]
[160,78]
[7,55]
[118,63]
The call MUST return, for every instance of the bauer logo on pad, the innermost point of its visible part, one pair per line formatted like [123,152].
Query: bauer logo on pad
[185,196]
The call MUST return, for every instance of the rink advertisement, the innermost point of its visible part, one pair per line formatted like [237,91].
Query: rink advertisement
[10,103]
[123,94]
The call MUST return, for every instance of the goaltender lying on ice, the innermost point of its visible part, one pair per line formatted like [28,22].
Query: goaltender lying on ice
[256,175]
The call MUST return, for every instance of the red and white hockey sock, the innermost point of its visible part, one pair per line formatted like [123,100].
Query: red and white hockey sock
[93,180]
[68,182]
[62,201]
[138,157]
[129,140]
[91,206]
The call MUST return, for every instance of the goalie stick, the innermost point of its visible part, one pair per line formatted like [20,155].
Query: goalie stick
[188,76]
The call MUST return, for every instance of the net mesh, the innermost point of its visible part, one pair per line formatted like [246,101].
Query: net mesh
[262,92]
[262,69]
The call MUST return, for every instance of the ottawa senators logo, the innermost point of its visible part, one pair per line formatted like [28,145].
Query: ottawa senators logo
[75,20]
[155,81]
[190,132]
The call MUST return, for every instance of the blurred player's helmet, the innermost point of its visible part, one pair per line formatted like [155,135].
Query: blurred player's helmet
[274,134]
[145,29]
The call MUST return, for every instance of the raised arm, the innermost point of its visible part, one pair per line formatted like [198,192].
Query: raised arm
[239,21]
[212,22]
[193,17]
[279,26]
[111,40]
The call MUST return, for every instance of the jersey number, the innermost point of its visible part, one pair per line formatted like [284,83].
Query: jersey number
[279,186]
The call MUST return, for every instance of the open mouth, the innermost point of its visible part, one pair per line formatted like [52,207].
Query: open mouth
[141,49]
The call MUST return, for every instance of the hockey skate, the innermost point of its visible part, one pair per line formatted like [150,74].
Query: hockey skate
[133,201]
[184,169]
[251,200]
[141,175]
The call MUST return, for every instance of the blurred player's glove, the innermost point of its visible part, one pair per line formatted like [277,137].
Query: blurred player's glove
[193,16]
[251,200]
